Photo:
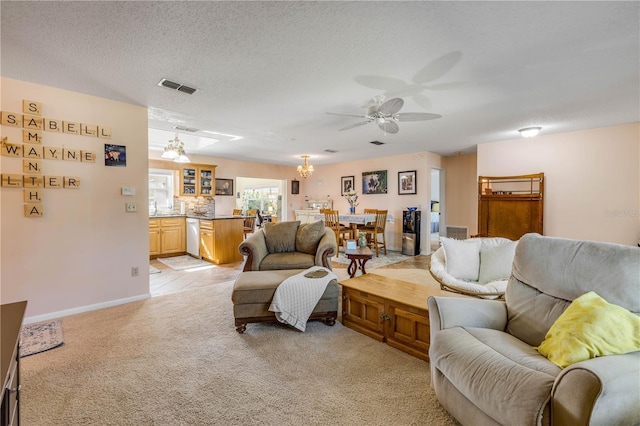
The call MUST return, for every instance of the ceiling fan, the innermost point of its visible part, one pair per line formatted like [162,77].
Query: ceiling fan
[385,115]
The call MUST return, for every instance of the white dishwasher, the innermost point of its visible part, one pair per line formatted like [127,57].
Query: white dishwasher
[193,237]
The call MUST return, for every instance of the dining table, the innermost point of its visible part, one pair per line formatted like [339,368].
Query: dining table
[352,219]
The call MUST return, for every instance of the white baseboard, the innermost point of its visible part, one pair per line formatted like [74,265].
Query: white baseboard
[86,308]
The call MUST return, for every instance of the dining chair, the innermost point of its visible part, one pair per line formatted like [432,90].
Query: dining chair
[368,224]
[376,230]
[332,220]
[250,222]
[237,212]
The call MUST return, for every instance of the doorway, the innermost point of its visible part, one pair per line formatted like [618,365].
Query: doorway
[268,196]
[437,207]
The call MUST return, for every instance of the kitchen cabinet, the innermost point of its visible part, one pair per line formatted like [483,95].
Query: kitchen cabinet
[167,236]
[220,238]
[197,180]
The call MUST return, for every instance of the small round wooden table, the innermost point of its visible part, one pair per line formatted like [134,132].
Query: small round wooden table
[358,257]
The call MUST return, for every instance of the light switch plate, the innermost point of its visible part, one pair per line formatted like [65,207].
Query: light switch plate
[127,190]
[131,207]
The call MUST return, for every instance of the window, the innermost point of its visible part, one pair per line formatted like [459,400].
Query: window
[160,190]
[262,198]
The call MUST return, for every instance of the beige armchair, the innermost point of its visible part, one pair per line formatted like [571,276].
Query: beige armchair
[485,368]
[289,245]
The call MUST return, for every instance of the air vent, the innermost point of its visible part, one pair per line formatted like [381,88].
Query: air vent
[458,232]
[186,89]
[186,129]
[169,84]
[377,142]
[332,151]
[177,86]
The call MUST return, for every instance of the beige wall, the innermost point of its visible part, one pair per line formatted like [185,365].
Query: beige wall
[592,187]
[326,181]
[80,253]
[461,191]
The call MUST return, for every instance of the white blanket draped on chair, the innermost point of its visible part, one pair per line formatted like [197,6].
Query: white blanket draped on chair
[297,296]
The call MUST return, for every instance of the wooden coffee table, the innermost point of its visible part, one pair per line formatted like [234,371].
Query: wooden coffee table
[390,310]
[358,257]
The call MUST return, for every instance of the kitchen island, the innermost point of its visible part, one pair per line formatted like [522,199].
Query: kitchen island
[219,236]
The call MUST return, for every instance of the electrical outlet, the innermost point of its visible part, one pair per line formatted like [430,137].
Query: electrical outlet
[134,271]
[131,207]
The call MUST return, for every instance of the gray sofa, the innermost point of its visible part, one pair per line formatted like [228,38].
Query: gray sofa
[289,245]
[484,368]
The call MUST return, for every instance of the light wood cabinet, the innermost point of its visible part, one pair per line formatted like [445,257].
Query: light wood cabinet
[167,236]
[197,180]
[219,240]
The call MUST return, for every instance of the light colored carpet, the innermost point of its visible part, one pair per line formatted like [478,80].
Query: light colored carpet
[177,360]
[184,262]
[40,336]
[153,270]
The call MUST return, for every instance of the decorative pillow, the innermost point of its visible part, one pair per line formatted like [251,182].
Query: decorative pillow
[309,236]
[462,258]
[588,328]
[280,237]
[496,262]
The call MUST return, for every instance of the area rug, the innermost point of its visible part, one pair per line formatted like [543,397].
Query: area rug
[183,262]
[153,270]
[40,336]
[375,262]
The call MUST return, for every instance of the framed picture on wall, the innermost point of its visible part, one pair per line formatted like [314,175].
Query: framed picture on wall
[295,186]
[374,182]
[224,186]
[407,182]
[347,184]
[115,155]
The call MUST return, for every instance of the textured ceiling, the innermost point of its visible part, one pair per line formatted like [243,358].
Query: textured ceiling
[269,71]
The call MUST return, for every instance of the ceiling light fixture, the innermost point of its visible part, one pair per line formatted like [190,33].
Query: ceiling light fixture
[305,169]
[175,151]
[529,132]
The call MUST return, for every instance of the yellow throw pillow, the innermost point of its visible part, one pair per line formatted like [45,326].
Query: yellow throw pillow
[588,328]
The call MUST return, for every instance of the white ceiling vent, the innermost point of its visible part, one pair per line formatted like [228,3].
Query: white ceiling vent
[176,86]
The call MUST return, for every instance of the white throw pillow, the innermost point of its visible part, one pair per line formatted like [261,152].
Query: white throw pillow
[496,262]
[462,257]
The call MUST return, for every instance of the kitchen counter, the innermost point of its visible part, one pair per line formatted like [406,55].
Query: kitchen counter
[193,216]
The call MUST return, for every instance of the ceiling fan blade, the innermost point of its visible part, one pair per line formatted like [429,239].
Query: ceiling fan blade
[348,115]
[351,126]
[391,106]
[416,116]
[389,127]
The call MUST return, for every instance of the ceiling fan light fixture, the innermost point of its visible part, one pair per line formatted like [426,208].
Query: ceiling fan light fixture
[529,132]
[305,170]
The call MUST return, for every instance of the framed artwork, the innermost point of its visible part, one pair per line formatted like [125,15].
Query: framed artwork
[407,182]
[374,182]
[295,186]
[347,184]
[224,186]
[115,155]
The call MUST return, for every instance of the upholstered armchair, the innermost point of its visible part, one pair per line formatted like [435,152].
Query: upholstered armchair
[289,245]
[488,366]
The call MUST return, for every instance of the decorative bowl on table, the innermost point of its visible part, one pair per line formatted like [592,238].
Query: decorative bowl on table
[412,209]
